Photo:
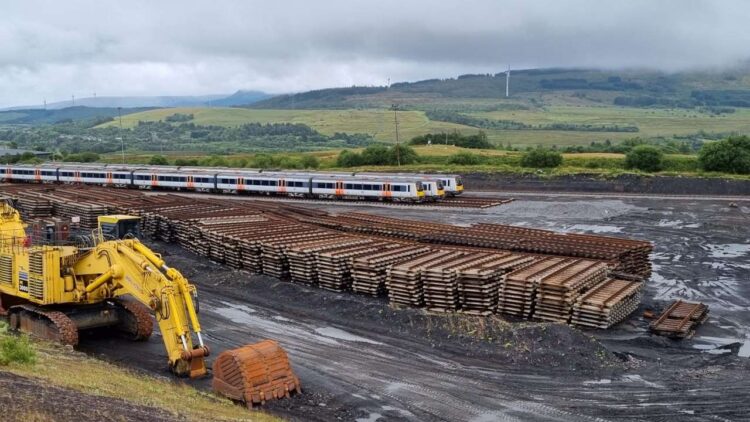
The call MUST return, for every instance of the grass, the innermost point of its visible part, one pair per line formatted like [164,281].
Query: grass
[651,122]
[57,366]
[436,158]
[379,123]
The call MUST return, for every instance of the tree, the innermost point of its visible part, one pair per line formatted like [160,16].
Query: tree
[375,155]
[645,157]
[310,161]
[541,157]
[731,155]
[402,154]
[348,158]
[158,160]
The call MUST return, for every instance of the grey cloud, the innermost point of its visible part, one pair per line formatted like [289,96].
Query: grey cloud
[52,49]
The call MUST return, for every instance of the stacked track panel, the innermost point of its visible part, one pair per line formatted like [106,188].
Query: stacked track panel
[478,286]
[404,280]
[559,290]
[369,272]
[606,304]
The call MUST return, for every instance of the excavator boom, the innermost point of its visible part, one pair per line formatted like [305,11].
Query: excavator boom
[54,291]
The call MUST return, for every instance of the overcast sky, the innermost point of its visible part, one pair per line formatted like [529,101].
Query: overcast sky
[57,48]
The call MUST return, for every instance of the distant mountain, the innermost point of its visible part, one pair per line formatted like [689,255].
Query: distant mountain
[241,98]
[538,87]
[224,100]
[94,115]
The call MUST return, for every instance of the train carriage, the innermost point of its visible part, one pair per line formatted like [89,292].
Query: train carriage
[94,175]
[353,187]
[27,173]
[167,178]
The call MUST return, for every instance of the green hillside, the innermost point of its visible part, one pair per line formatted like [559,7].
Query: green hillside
[70,114]
[379,123]
[535,87]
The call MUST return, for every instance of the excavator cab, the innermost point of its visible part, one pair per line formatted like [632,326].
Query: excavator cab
[119,226]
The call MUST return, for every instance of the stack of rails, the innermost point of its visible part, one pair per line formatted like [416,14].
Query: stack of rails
[606,304]
[303,267]
[334,265]
[680,319]
[628,256]
[34,207]
[478,286]
[404,280]
[517,292]
[479,269]
[273,250]
[440,281]
[559,290]
[369,271]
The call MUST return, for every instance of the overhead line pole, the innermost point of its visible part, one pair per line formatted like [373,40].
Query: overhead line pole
[398,147]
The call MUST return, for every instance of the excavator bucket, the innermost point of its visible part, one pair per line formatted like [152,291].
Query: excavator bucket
[255,373]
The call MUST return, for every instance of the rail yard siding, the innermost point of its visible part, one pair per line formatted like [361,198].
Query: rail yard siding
[627,183]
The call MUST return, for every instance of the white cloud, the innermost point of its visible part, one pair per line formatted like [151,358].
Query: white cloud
[54,49]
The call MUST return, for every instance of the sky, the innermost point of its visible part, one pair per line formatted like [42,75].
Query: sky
[54,49]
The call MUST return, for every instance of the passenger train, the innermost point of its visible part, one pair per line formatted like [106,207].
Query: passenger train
[400,187]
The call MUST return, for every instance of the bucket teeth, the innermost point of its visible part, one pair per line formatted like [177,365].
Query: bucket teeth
[255,373]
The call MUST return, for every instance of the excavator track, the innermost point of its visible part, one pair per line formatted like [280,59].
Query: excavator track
[41,323]
[139,325]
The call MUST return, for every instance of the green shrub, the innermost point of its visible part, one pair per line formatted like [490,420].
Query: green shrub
[375,155]
[15,348]
[645,157]
[158,160]
[541,157]
[348,158]
[464,159]
[83,157]
[731,155]
[185,162]
[402,154]
[310,162]
[262,161]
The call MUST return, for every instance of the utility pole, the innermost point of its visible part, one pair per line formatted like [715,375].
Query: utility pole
[398,147]
[122,138]
[73,100]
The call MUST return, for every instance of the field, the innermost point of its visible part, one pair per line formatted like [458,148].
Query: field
[380,123]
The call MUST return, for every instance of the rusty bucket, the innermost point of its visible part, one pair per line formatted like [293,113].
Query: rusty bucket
[255,373]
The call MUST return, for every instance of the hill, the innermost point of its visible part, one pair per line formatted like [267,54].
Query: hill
[223,100]
[378,123]
[70,114]
[535,87]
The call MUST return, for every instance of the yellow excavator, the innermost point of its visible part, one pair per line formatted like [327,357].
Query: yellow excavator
[53,291]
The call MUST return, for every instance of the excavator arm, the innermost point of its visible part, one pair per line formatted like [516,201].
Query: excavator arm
[128,267]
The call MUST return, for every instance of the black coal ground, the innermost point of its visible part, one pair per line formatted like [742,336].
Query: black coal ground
[358,358]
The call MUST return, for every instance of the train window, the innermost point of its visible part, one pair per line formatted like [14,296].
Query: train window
[366,187]
[348,186]
[274,183]
[459,182]
[264,182]
[357,187]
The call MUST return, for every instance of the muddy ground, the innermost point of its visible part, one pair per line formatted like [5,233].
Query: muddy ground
[359,359]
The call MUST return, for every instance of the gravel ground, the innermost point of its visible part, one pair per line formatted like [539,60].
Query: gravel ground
[359,359]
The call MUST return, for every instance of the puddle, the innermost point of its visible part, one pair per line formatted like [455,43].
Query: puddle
[637,378]
[594,228]
[595,382]
[730,250]
[397,409]
[372,417]
[235,312]
[744,350]
[343,335]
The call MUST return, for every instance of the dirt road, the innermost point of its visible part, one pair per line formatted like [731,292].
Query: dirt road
[358,359]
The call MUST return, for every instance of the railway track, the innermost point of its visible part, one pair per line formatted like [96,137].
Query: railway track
[481,269]
[480,202]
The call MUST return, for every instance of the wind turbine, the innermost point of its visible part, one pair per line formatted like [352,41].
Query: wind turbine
[507,82]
